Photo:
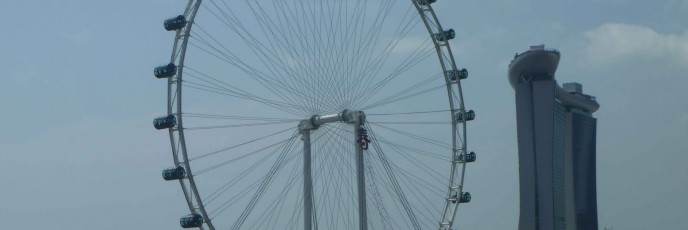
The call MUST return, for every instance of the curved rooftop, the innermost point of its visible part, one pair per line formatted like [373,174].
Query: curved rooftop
[541,64]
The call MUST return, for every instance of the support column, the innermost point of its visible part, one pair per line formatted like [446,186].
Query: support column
[357,118]
[307,181]
[360,171]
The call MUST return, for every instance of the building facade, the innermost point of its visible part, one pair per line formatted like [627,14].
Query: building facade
[556,145]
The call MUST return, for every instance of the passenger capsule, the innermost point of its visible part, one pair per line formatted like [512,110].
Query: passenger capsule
[175,23]
[449,34]
[457,74]
[165,122]
[465,197]
[470,115]
[422,2]
[165,71]
[463,73]
[466,158]
[191,221]
[174,173]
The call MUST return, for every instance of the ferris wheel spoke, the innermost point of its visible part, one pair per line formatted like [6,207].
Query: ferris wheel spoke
[224,163]
[373,68]
[364,75]
[217,86]
[417,137]
[231,20]
[412,122]
[381,214]
[315,21]
[423,211]
[276,85]
[334,61]
[244,193]
[414,59]
[262,188]
[394,182]
[346,163]
[420,201]
[321,140]
[295,181]
[239,145]
[233,117]
[341,192]
[269,213]
[217,193]
[430,172]
[403,147]
[343,45]
[366,43]
[295,110]
[325,164]
[412,176]
[344,168]
[265,184]
[225,92]
[239,125]
[407,93]
[371,39]
[412,182]
[406,113]
[267,27]
[398,209]
[296,36]
[354,33]
[321,80]
[285,92]
[293,221]
[224,206]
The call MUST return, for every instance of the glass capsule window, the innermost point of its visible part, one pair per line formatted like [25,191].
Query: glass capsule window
[455,75]
[465,197]
[165,122]
[165,71]
[191,221]
[449,35]
[470,157]
[175,23]
[470,115]
[463,73]
[174,173]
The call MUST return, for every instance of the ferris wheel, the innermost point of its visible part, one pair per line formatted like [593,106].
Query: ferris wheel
[315,114]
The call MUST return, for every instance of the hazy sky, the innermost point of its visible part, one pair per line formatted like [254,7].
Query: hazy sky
[77,149]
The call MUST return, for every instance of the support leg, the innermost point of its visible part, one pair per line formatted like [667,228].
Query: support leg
[362,208]
[307,181]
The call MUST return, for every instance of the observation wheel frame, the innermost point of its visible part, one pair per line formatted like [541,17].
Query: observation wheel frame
[457,112]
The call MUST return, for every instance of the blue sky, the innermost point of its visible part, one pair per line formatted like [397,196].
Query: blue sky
[78,150]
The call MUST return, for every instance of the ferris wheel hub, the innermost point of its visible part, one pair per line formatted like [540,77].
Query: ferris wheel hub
[347,116]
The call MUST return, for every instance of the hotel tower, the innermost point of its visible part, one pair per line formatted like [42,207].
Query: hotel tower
[556,145]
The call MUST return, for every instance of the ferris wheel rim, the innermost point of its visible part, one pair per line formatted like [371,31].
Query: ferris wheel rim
[190,189]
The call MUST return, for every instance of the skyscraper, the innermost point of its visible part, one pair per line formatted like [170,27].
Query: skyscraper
[556,145]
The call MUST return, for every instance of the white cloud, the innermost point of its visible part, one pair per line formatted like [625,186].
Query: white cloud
[614,42]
